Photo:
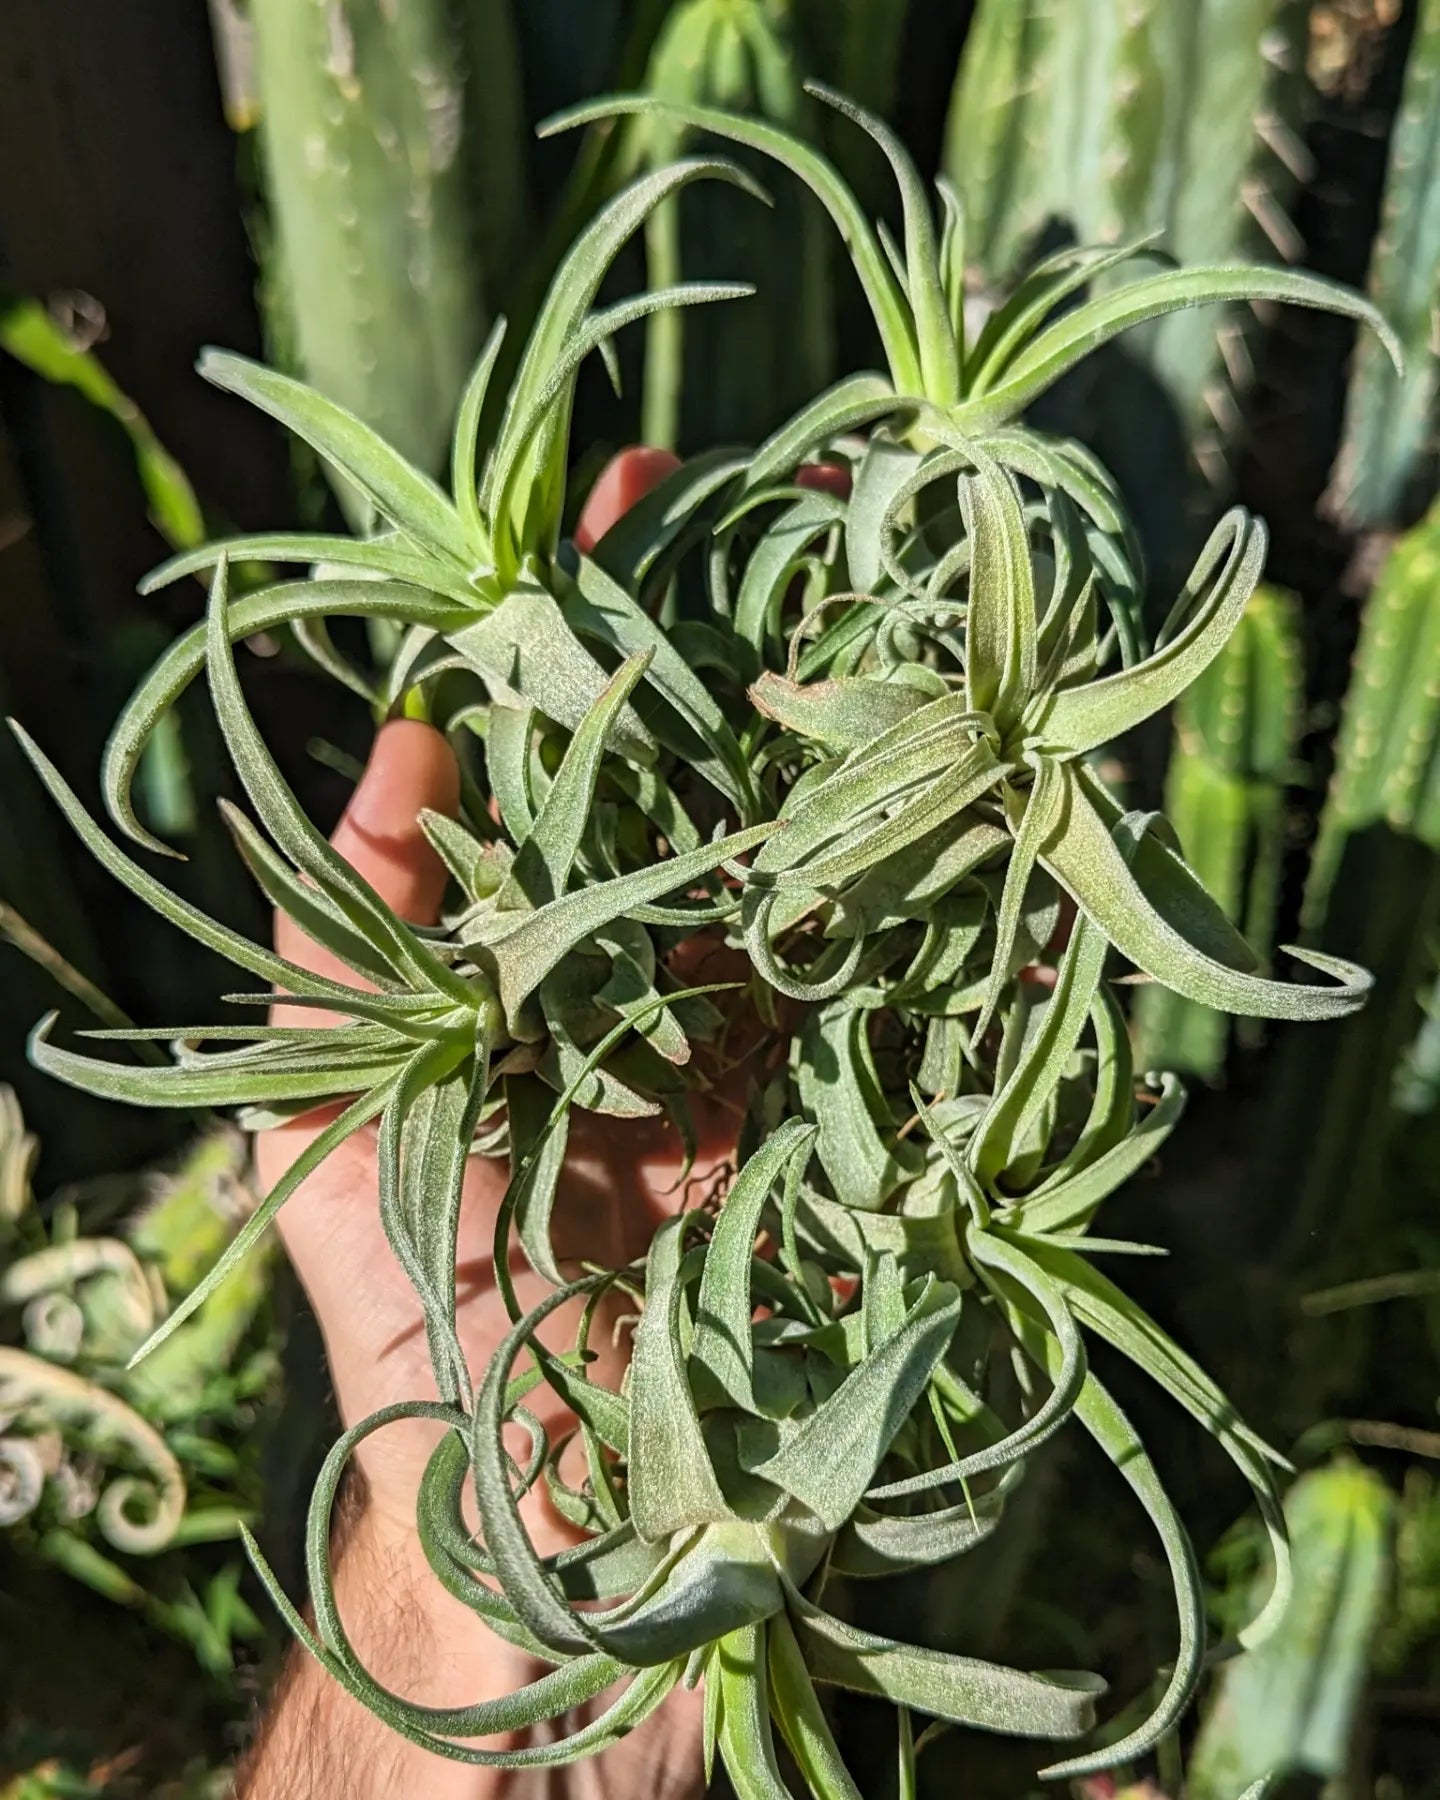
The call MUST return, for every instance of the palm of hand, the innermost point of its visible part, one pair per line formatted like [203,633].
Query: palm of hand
[620,1178]
[618,1184]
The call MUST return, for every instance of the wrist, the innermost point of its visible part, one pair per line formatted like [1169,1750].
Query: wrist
[417,1640]
[414,1639]
[411,1633]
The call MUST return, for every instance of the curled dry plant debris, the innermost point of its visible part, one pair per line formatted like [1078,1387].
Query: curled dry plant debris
[856,737]
[99,1458]
[84,1304]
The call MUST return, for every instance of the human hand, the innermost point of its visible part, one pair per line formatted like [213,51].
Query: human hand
[619,1180]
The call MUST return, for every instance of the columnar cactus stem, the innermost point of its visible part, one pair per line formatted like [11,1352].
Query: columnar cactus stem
[1390,418]
[1117,118]
[731,374]
[373,135]
[1388,756]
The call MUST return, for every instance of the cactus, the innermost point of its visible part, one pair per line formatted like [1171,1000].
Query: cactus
[1352,1151]
[180,1233]
[192,1213]
[1388,753]
[1347,1134]
[1290,1706]
[994,146]
[1236,733]
[395,190]
[1373,889]
[858,43]
[1388,445]
[1417,1078]
[855,47]
[1120,118]
[733,374]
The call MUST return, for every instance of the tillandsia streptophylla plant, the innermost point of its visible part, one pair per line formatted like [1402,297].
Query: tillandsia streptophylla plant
[889,703]
[70,1449]
[916,290]
[1017,724]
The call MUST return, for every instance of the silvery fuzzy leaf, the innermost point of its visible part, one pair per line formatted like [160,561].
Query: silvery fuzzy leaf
[527,655]
[722,1344]
[837,1085]
[542,865]
[672,1481]
[946,1687]
[828,1461]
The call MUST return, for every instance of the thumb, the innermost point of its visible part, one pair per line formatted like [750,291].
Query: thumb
[411,769]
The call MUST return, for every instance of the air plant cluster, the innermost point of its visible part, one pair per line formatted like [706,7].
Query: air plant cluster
[854,729]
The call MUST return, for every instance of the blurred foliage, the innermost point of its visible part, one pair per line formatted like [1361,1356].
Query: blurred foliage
[1291,1704]
[35,337]
[132,1483]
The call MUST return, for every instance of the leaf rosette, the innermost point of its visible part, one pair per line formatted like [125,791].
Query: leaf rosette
[858,735]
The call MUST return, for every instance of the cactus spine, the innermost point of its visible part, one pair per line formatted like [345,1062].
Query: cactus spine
[394,192]
[1236,732]
[1389,418]
[731,373]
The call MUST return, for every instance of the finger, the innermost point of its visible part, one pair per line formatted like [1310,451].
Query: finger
[825,478]
[628,476]
[411,769]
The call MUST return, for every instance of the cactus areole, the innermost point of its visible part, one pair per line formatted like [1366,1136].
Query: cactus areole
[859,738]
